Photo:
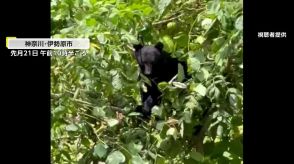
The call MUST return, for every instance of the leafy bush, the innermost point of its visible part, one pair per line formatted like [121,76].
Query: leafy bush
[93,97]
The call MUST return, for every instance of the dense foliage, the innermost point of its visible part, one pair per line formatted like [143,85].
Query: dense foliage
[93,97]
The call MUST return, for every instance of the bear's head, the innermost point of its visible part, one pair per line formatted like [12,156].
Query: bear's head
[149,57]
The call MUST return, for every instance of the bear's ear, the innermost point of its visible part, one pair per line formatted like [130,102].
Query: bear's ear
[137,46]
[159,46]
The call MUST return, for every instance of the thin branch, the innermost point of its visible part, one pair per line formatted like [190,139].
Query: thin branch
[116,109]
[189,34]
[173,79]
[87,115]
[83,102]
[167,20]
[131,48]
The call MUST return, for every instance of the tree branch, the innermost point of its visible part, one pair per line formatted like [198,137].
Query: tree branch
[167,20]
[116,109]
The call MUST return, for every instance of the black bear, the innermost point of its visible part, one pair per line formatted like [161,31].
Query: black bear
[158,66]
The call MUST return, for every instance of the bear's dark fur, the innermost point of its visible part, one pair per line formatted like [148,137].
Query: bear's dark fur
[158,66]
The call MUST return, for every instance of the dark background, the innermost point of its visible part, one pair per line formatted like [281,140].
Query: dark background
[25,85]
[268,85]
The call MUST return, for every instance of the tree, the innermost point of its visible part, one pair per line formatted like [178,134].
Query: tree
[93,97]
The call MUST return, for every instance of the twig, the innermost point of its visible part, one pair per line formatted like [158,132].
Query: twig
[167,20]
[131,48]
[173,79]
[83,102]
[189,34]
[91,116]
[117,109]
[55,96]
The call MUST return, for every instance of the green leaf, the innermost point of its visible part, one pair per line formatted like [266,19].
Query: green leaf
[219,130]
[236,147]
[134,148]
[200,39]
[159,125]
[71,127]
[236,121]
[227,155]
[162,5]
[151,154]
[182,129]
[116,82]
[206,23]
[114,12]
[116,56]
[93,2]
[103,10]
[163,131]
[112,122]
[130,38]
[222,55]
[200,56]
[181,40]
[76,93]
[159,159]
[214,6]
[168,42]
[232,90]
[115,157]
[79,16]
[212,31]
[99,112]
[59,110]
[239,23]
[100,150]
[145,79]
[194,64]
[214,92]
[192,102]
[66,154]
[136,159]
[201,89]
[233,99]
[205,73]
[181,74]
[179,85]
[101,38]
[156,111]
[192,87]
[166,144]
[144,87]
[91,22]
[201,76]
[217,43]
[187,114]
[196,156]
[86,142]
[66,30]
[162,85]
[172,132]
